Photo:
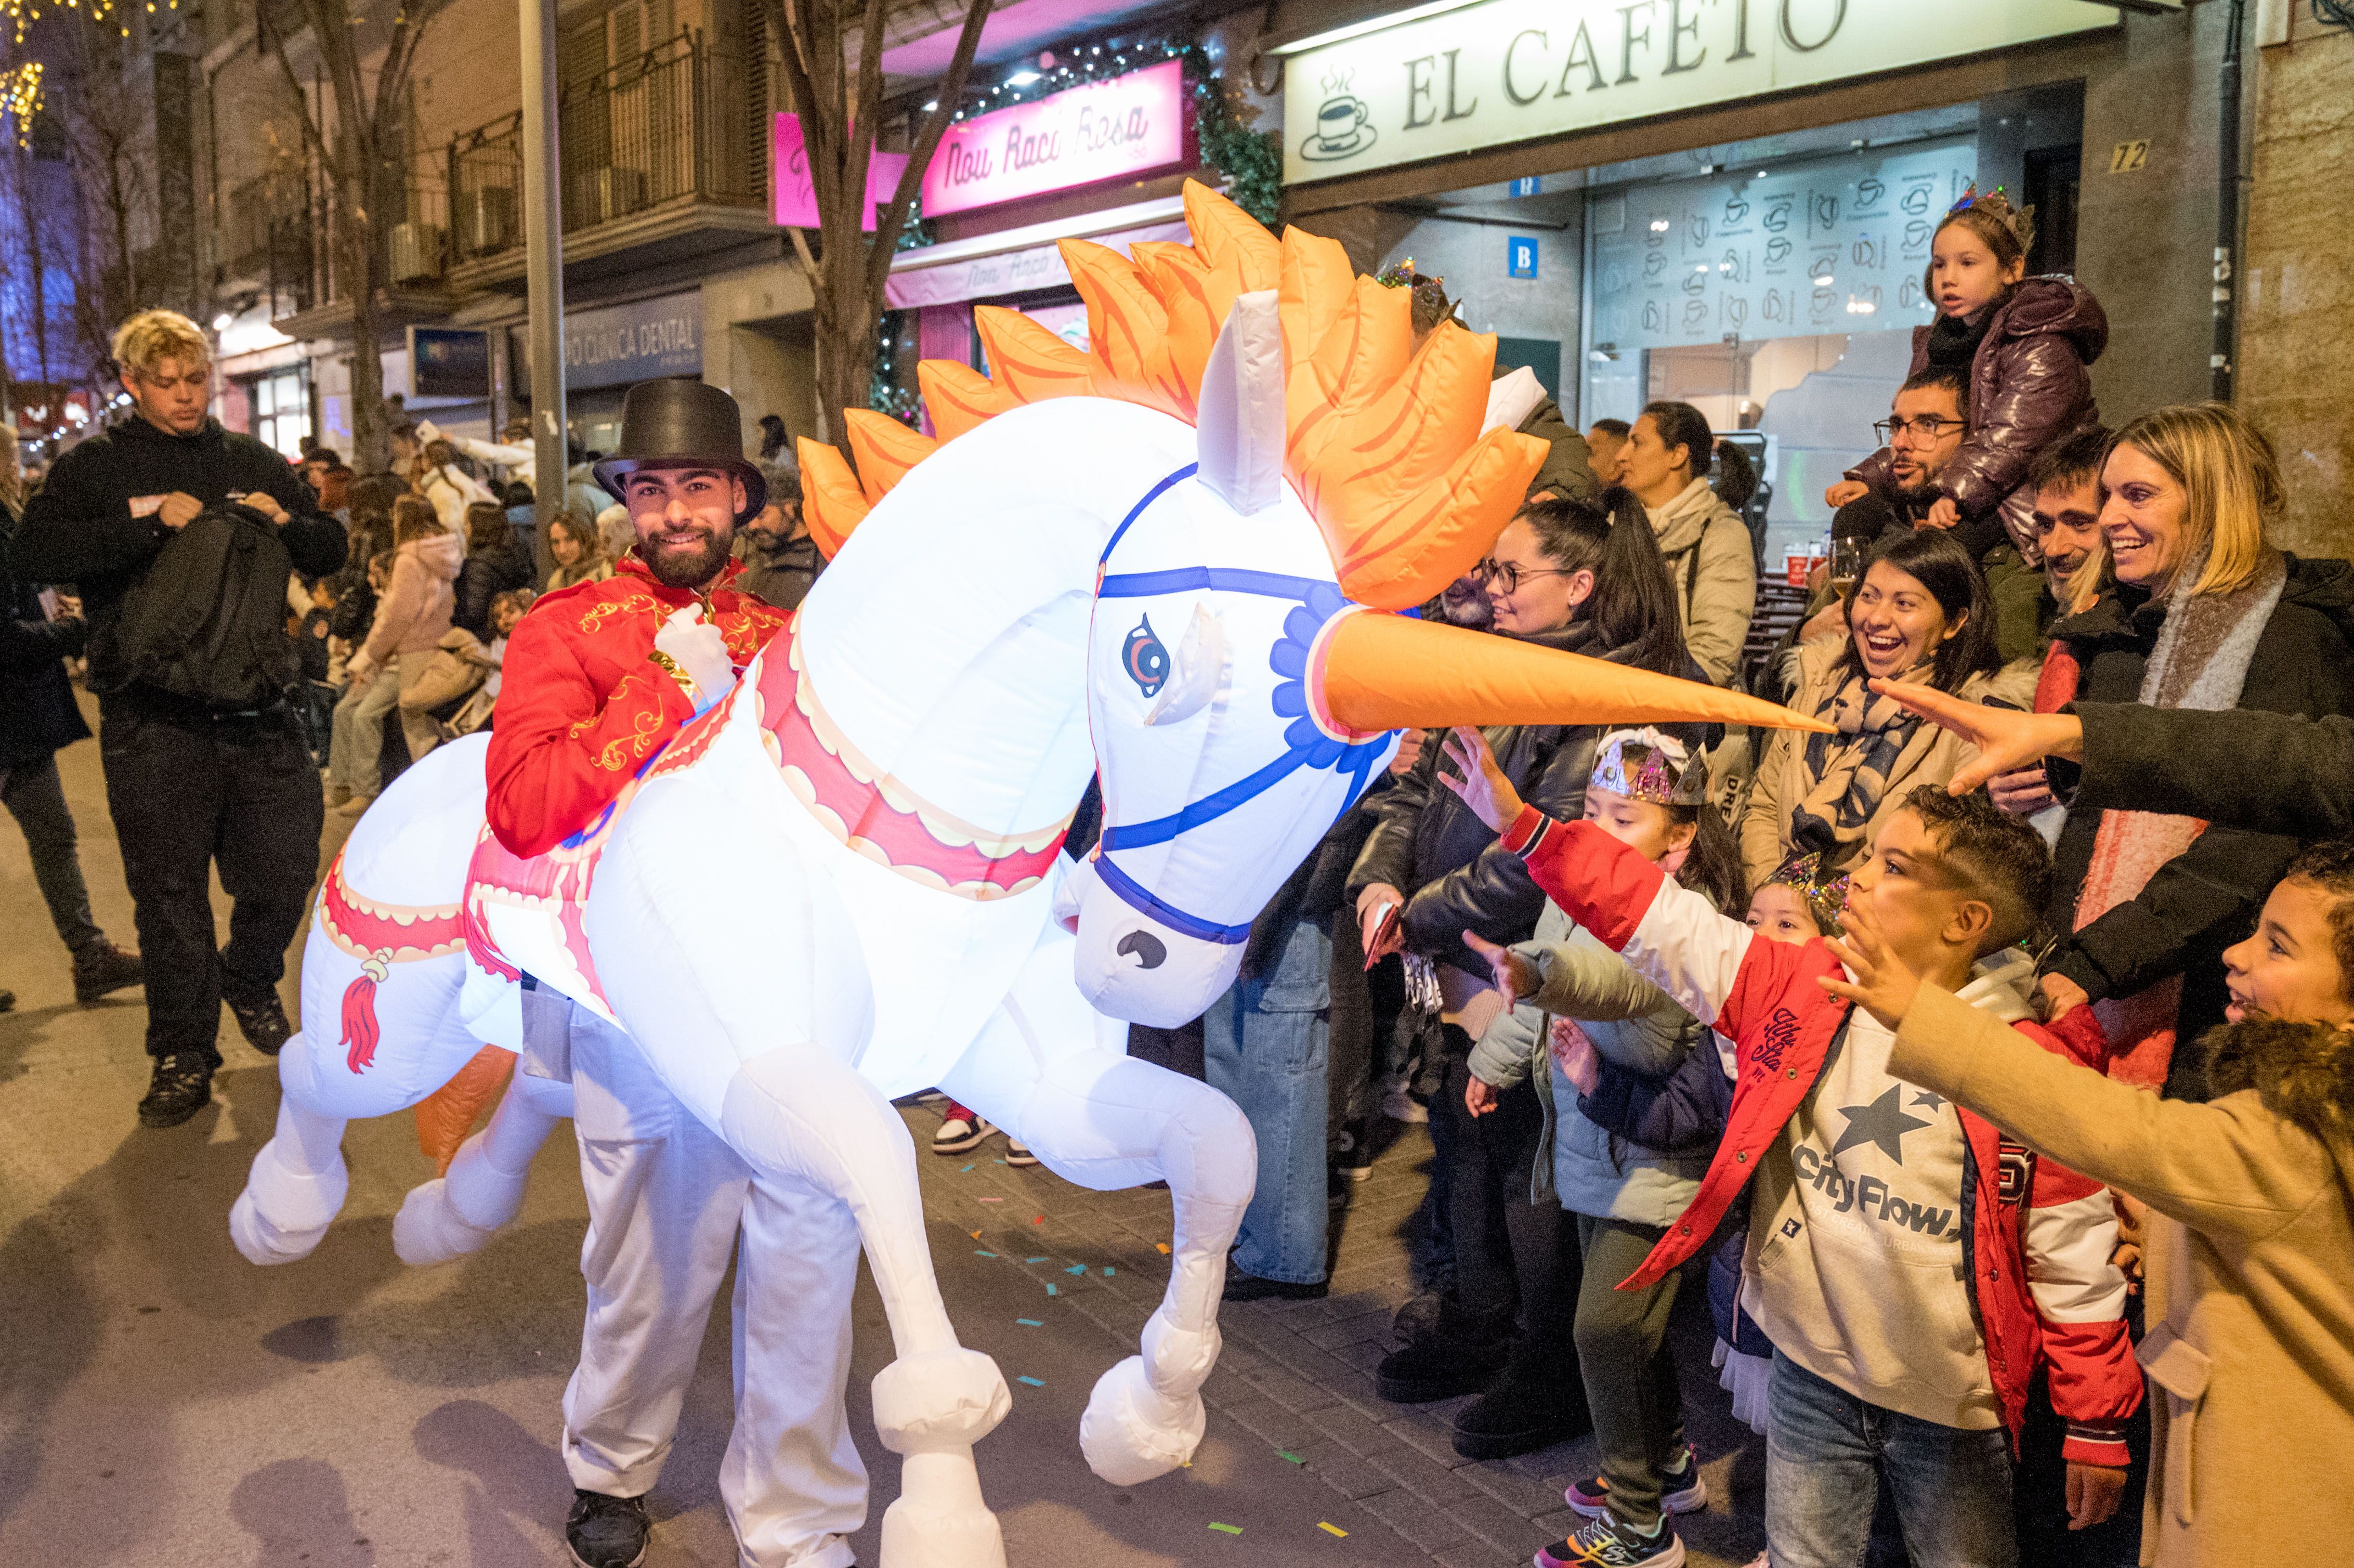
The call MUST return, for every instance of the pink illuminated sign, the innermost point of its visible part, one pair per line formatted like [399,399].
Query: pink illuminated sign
[794,196]
[1099,131]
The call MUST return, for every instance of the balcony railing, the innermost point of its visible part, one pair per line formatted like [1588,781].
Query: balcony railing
[304,271]
[662,128]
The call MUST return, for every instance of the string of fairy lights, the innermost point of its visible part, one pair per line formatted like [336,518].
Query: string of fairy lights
[22,14]
[20,100]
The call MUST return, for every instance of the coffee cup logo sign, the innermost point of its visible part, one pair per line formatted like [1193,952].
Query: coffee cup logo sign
[1513,70]
[1129,125]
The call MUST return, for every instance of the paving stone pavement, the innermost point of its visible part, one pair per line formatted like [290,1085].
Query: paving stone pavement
[1298,1375]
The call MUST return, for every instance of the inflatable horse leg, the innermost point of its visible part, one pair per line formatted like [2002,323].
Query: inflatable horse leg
[761,1051]
[1100,1120]
[457,1212]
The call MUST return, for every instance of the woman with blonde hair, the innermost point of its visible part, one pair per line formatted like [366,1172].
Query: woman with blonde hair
[2202,612]
[572,540]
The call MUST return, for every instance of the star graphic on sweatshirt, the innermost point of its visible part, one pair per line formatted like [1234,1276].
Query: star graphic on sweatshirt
[1880,1122]
[1935,1102]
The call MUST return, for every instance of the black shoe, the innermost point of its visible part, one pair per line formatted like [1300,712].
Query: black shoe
[1353,1154]
[262,1021]
[182,1086]
[607,1531]
[1439,1367]
[102,967]
[1419,1317]
[8,1002]
[1532,1406]
[1241,1286]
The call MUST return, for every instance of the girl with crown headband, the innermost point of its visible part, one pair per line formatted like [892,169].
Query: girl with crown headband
[2025,343]
[1624,1162]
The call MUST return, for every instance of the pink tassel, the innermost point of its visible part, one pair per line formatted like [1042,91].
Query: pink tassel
[360,1030]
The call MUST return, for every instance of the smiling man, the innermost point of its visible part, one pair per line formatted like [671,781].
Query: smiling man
[599,676]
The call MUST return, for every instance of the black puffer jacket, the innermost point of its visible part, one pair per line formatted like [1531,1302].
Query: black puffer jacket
[486,574]
[37,711]
[2029,387]
[2207,897]
[1428,845]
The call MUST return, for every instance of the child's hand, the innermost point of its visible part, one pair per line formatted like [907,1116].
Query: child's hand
[2061,996]
[1574,1053]
[1478,780]
[1943,514]
[1845,490]
[2126,1257]
[1515,976]
[2093,1493]
[1479,1096]
[1883,986]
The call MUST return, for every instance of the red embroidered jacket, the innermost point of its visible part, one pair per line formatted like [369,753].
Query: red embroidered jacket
[2036,1249]
[583,704]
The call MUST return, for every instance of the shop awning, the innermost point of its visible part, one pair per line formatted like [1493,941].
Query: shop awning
[1018,259]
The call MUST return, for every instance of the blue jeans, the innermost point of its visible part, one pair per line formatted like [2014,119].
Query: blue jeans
[1826,1452]
[1265,1044]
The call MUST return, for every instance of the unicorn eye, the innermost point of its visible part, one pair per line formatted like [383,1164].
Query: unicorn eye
[1146,661]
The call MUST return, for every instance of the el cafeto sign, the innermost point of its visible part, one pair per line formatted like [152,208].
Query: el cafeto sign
[1512,69]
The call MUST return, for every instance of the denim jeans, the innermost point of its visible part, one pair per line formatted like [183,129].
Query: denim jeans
[1266,1044]
[1826,1452]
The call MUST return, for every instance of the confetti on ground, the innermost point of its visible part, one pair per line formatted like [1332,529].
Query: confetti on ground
[1288,1454]
[1334,1529]
[1033,1260]
[1000,1163]
[1039,1221]
[1162,1246]
[1109,1271]
[992,1200]
[1050,1290]
[1229,1528]
[978,1252]
[967,1168]
[975,1235]
[1077,1268]
[1033,1381]
[1030,1322]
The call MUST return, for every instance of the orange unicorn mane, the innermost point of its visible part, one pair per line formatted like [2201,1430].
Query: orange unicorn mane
[1381,442]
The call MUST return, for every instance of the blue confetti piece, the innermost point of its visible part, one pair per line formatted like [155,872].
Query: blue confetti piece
[1033,1260]
[1033,1381]
[1030,1322]
[967,1168]
[1077,1268]
[1050,1290]
[1000,1163]
[1109,1271]
[978,1253]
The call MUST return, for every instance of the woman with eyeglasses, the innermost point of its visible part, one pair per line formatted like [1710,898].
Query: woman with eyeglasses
[1576,575]
[1919,612]
[1665,463]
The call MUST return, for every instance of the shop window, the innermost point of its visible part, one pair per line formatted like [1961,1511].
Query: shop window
[279,409]
[1780,301]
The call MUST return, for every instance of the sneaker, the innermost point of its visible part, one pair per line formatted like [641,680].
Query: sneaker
[102,967]
[182,1085]
[1398,1103]
[961,1133]
[337,795]
[605,1531]
[1438,1368]
[1680,1490]
[1241,1286]
[262,1021]
[1017,1153]
[1352,1155]
[1606,1543]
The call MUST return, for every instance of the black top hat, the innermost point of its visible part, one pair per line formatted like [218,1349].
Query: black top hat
[677,423]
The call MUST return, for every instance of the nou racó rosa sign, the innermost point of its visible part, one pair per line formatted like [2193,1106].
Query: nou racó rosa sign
[1510,70]
[1103,131]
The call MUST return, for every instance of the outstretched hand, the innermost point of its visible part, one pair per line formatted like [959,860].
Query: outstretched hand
[2006,739]
[1884,986]
[1515,976]
[1479,778]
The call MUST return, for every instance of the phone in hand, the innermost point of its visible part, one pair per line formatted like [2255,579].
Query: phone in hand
[1384,929]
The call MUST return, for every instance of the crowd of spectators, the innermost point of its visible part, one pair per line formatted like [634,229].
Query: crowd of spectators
[1670,1001]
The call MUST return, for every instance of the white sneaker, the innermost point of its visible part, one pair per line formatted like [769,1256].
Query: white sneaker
[1017,1152]
[1400,1105]
[962,1134]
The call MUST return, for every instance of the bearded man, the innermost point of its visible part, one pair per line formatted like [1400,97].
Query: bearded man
[599,677]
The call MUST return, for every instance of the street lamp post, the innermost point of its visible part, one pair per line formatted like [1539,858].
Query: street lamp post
[543,264]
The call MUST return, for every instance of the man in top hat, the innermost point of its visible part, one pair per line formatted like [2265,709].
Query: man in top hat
[599,676]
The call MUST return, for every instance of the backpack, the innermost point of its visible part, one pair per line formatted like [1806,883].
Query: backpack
[206,620]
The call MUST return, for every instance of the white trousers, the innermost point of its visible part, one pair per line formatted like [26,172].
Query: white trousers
[666,1198]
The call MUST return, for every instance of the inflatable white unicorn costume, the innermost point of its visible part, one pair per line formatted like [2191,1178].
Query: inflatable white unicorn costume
[1166,561]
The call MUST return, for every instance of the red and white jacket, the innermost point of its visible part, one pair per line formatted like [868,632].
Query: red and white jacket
[2039,1236]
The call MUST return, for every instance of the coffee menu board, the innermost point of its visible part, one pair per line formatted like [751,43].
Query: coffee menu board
[1837,244]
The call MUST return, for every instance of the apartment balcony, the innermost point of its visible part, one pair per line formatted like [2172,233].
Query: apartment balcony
[658,157]
[307,273]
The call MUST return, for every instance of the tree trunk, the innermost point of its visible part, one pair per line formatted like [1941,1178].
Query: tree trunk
[357,253]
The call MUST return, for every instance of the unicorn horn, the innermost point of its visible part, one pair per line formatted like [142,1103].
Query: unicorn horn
[1372,671]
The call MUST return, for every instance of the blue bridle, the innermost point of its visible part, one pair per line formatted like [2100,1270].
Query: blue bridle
[1320,601]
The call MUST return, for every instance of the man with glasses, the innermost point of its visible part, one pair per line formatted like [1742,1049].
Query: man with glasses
[206,762]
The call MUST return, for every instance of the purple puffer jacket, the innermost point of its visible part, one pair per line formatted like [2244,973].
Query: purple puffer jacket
[2029,389]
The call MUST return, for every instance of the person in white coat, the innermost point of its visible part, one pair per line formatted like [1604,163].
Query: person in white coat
[1665,462]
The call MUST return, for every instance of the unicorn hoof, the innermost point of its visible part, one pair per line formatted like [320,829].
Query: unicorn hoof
[918,1537]
[939,1400]
[428,1230]
[1133,1432]
[263,1243]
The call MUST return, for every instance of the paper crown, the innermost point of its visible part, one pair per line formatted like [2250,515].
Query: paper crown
[1663,776]
[1996,204]
[1826,897]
